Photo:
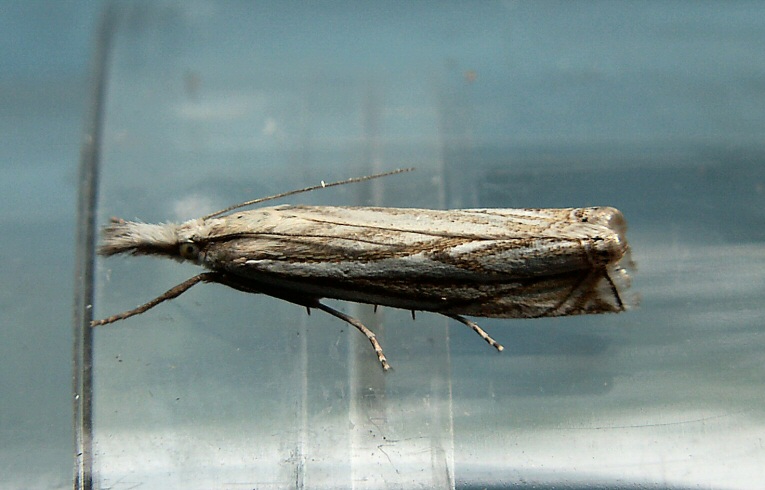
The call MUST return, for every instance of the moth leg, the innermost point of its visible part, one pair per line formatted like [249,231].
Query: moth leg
[474,326]
[614,290]
[578,296]
[307,302]
[361,327]
[169,294]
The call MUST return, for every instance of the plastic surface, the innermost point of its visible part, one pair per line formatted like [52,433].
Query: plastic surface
[497,105]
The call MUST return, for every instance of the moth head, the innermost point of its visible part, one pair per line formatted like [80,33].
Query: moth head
[136,238]
[606,216]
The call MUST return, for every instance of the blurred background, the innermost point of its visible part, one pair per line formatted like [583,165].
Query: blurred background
[46,49]
[656,108]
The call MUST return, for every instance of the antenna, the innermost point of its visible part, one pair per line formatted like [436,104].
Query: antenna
[307,189]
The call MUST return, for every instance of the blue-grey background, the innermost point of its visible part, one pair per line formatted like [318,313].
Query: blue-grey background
[44,57]
[657,108]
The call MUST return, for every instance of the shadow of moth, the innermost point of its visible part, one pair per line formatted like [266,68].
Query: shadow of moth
[502,263]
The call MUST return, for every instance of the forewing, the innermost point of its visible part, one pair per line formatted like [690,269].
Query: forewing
[423,259]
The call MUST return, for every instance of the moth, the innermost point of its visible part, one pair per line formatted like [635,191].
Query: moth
[502,263]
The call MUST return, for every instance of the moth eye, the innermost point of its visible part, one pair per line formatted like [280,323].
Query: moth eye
[189,251]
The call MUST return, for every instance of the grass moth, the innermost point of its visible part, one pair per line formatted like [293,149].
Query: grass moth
[502,263]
